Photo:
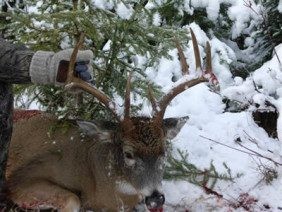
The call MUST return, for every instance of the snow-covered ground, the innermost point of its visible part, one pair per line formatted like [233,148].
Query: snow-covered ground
[207,120]
[209,123]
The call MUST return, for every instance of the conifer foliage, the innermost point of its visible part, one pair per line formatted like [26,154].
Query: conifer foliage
[131,36]
[115,32]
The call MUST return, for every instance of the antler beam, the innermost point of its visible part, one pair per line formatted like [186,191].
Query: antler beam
[164,102]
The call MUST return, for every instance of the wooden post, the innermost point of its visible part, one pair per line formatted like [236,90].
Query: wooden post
[6,124]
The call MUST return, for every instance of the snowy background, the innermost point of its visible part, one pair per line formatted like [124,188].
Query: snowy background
[208,122]
[246,146]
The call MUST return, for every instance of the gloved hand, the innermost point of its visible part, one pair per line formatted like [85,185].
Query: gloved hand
[51,68]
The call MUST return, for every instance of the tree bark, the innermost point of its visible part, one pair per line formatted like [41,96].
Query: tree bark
[6,126]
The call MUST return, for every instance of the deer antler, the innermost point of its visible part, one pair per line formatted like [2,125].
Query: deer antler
[152,99]
[127,98]
[209,70]
[75,82]
[208,60]
[158,107]
[184,64]
[163,103]
[196,51]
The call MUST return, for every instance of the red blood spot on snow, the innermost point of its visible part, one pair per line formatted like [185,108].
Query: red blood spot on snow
[25,114]
[212,78]
[156,210]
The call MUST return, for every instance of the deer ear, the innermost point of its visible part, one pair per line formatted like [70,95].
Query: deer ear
[96,130]
[173,126]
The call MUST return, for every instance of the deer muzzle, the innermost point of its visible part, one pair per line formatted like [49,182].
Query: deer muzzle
[155,202]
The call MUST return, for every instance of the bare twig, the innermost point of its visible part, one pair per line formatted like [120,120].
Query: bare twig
[249,152]
[222,144]
[251,139]
[259,155]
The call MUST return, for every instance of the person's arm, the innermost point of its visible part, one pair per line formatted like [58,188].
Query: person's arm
[14,68]
[6,125]
[19,65]
[14,63]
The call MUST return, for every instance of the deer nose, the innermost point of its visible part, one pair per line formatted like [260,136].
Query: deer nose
[156,200]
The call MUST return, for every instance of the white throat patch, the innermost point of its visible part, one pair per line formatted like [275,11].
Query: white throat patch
[125,187]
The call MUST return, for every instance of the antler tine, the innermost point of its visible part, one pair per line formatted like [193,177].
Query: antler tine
[70,75]
[152,99]
[208,60]
[209,70]
[196,51]
[74,82]
[183,62]
[127,98]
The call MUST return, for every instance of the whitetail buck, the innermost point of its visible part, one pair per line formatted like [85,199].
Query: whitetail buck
[110,166]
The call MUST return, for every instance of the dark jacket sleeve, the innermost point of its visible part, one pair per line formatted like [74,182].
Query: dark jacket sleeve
[14,63]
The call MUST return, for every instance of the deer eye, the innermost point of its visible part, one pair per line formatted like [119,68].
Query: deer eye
[129,159]
[128,155]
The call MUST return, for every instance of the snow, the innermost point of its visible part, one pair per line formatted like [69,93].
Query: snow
[101,4]
[124,11]
[212,7]
[241,16]
[208,122]
[280,6]
[156,19]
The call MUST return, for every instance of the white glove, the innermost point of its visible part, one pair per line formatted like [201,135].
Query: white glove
[44,67]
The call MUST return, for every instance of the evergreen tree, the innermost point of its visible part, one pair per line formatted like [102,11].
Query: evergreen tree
[265,35]
[116,32]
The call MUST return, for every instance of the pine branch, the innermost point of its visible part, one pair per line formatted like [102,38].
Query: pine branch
[181,169]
